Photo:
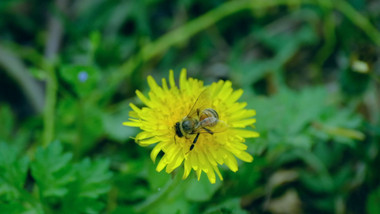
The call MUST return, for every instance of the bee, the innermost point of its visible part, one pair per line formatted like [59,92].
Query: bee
[201,119]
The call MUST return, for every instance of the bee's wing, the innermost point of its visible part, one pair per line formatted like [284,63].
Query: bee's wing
[221,126]
[203,101]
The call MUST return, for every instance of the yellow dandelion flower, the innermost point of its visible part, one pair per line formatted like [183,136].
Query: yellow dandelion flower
[166,106]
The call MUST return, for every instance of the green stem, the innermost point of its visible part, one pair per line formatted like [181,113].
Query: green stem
[16,69]
[160,196]
[187,31]
[54,37]
[80,127]
[359,20]
[177,36]
[51,97]
[329,39]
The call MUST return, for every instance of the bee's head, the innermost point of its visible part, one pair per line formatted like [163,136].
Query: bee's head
[178,130]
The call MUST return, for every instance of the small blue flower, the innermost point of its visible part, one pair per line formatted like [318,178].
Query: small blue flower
[82,76]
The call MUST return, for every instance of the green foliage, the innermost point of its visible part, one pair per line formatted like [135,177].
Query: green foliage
[115,132]
[373,202]
[14,171]
[299,119]
[72,187]
[227,207]
[308,68]
[83,79]
[201,191]
[51,170]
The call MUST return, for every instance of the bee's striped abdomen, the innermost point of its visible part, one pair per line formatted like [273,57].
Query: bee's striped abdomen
[209,117]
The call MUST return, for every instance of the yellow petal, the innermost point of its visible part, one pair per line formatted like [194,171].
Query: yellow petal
[164,84]
[173,164]
[217,156]
[210,157]
[171,79]
[187,169]
[135,108]
[153,85]
[246,133]
[201,158]
[225,91]
[242,155]
[235,96]
[209,172]
[230,161]
[156,150]
[131,123]
[199,172]
[218,172]
[161,165]
[193,161]
[182,79]
[143,135]
[243,123]
[147,142]
[145,100]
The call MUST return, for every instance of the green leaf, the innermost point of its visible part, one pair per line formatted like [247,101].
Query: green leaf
[341,125]
[13,171]
[92,181]
[373,202]
[76,187]
[354,83]
[290,114]
[11,208]
[176,205]
[228,206]
[84,79]
[123,183]
[201,190]
[284,45]
[93,177]
[112,123]
[81,123]
[74,204]
[51,170]
[319,183]
[39,74]
[7,122]
[156,179]
[122,209]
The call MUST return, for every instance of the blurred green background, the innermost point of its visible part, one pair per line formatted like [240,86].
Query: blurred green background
[68,70]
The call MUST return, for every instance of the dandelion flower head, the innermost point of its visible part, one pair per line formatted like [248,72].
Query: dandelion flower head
[168,104]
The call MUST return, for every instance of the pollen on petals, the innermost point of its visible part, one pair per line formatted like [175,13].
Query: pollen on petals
[168,104]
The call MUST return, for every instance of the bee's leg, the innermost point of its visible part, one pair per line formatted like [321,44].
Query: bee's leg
[208,130]
[194,141]
[198,112]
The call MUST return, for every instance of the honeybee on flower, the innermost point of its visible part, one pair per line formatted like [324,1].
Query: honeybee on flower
[198,126]
[200,120]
